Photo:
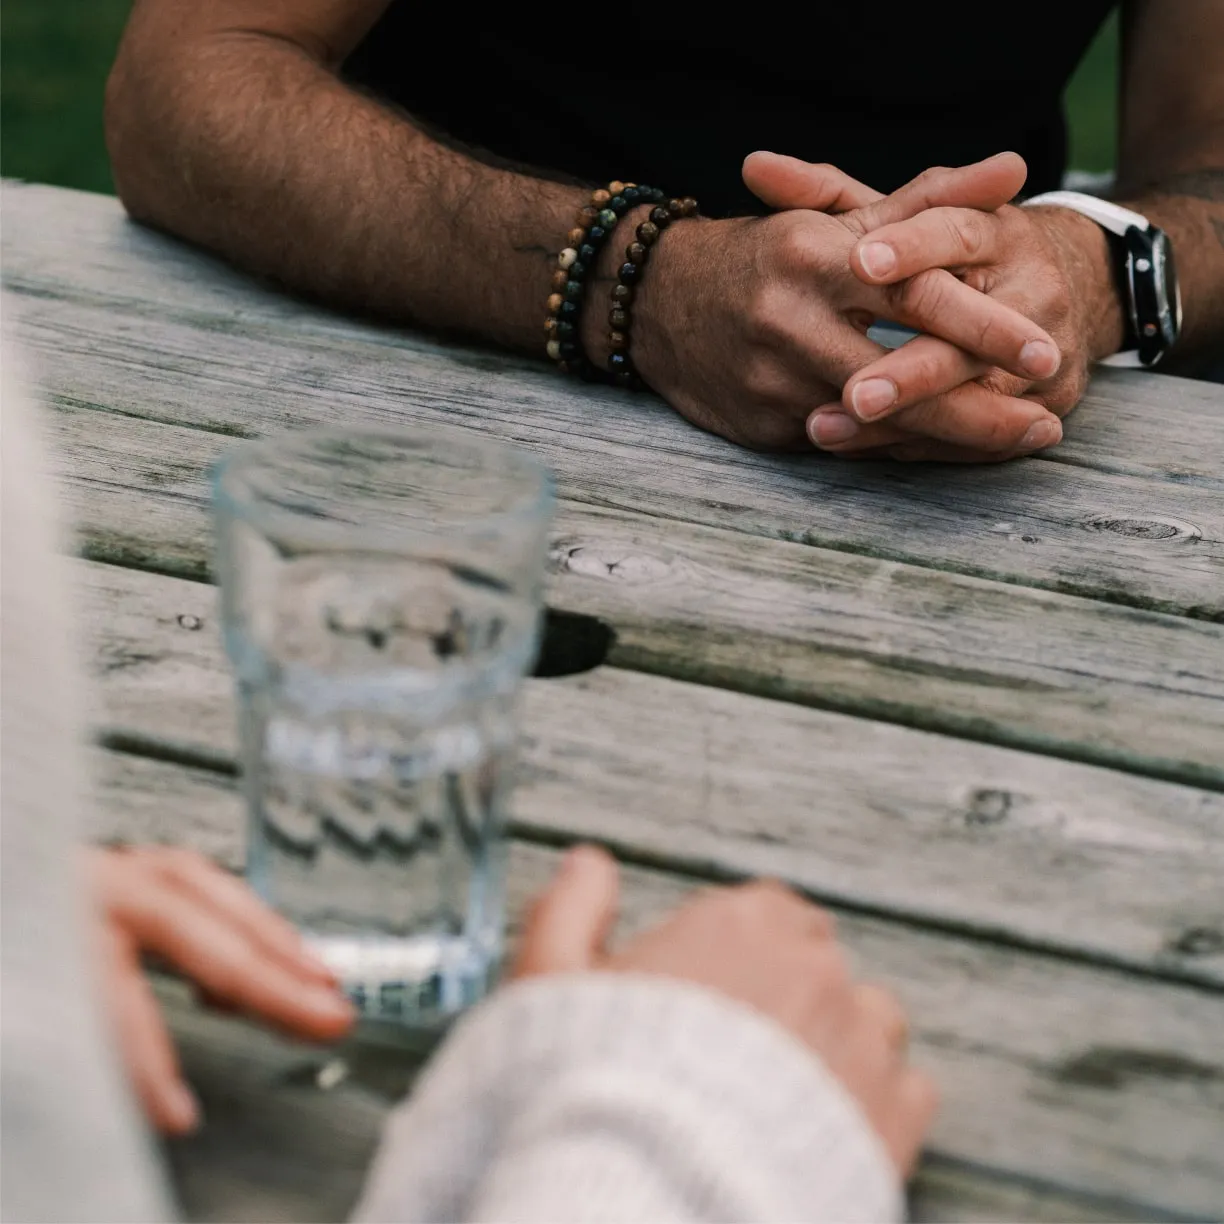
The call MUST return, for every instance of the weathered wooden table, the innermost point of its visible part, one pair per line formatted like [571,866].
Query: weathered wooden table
[977,712]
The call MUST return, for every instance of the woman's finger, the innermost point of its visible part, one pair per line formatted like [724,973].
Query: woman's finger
[233,898]
[786,182]
[880,1008]
[937,238]
[568,925]
[915,1104]
[146,1047]
[163,918]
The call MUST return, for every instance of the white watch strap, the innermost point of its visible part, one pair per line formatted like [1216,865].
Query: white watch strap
[1112,217]
[1127,360]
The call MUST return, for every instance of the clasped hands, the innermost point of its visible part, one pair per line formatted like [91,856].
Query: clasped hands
[772,351]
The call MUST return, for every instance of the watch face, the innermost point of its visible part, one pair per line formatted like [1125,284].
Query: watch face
[1168,293]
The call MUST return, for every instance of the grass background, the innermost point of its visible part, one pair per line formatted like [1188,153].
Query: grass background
[55,54]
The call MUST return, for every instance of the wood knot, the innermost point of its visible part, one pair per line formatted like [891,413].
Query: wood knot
[615,562]
[187,621]
[1198,941]
[1133,528]
[1114,1066]
[988,806]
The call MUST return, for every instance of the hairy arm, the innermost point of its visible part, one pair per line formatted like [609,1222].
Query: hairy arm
[227,124]
[1171,161]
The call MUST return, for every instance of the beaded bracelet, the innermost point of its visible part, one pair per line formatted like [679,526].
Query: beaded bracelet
[593,225]
[620,364]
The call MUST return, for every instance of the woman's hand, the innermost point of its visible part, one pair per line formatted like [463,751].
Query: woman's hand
[761,945]
[181,907]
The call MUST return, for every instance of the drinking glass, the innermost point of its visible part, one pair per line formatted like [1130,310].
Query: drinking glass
[381,600]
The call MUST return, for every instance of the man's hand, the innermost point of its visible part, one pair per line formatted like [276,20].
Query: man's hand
[760,945]
[745,326]
[181,907]
[1048,264]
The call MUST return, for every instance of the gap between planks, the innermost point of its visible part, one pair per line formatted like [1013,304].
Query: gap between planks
[994,663]
[1149,540]
[1009,846]
[1067,1075]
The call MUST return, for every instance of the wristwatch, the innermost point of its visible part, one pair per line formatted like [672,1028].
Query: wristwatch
[1144,272]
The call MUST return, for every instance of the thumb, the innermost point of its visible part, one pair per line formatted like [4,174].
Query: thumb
[985,185]
[786,182]
[571,918]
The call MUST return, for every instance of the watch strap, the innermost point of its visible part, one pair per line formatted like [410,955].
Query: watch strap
[1105,213]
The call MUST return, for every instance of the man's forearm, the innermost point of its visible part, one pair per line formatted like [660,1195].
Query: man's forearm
[1189,207]
[1195,225]
[247,145]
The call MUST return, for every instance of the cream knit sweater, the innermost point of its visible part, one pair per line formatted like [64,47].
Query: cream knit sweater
[585,1098]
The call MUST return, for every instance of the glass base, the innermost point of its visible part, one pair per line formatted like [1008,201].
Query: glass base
[416,983]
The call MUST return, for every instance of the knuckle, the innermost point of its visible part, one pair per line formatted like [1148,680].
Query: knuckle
[967,232]
[832,969]
[762,900]
[925,370]
[179,863]
[922,296]
[885,1006]
[797,248]
[1000,434]
[988,335]
[768,308]
[762,378]
[930,180]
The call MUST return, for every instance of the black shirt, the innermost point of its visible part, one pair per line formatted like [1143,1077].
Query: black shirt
[677,95]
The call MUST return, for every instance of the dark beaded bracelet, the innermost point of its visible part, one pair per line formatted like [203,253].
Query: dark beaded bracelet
[620,364]
[593,225]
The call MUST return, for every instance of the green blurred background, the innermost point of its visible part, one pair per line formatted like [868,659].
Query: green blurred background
[55,54]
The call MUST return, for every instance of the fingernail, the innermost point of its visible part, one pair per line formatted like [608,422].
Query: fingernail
[183,1108]
[830,428]
[872,398]
[315,965]
[878,259]
[1042,434]
[327,1003]
[1040,358]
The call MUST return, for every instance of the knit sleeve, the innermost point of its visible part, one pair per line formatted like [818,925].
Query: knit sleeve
[74,1146]
[602,1097]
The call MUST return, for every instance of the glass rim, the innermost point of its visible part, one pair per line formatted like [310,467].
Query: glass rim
[535,505]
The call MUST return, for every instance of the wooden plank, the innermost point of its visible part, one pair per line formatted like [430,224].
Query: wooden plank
[143,326]
[1047,853]
[1101,683]
[1085,1078]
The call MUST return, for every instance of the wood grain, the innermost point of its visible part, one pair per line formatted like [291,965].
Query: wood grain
[137,324]
[1043,852]
[1084,1078]
[1012,665]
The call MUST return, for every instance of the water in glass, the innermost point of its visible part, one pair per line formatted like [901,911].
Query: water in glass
[378,659]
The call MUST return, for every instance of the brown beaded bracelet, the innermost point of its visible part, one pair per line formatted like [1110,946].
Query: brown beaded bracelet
[620,365]
[592,228]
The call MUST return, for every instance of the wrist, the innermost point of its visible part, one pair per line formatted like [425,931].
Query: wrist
[1084,254]
[678,292]
[595,329]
